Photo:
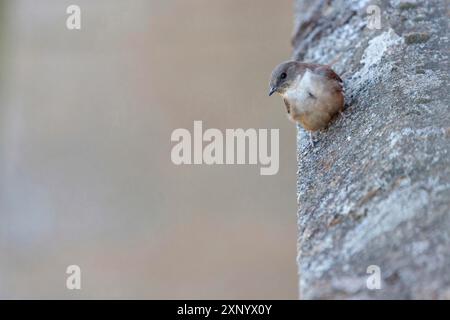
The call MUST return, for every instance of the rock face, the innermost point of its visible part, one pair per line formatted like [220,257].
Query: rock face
[374,193]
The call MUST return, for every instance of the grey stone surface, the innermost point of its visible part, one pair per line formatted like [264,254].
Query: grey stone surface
[375,190]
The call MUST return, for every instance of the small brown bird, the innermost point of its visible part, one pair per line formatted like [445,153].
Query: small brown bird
[313,93]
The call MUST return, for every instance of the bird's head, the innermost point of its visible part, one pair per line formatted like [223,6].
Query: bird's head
[282,77]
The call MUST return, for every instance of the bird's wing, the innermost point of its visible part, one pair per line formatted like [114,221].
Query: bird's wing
[326,71]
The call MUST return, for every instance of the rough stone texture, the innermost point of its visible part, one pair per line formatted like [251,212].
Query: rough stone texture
[375,190]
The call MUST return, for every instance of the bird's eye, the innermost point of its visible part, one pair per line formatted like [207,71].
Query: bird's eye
[283,75]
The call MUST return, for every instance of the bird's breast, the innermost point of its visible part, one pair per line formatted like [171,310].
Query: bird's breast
[313,101]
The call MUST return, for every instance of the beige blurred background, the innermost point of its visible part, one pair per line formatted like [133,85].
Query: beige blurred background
[85,170]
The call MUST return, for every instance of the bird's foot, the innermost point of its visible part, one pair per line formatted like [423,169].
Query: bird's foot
[312,143]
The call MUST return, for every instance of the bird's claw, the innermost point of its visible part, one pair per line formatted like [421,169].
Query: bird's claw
[311,140]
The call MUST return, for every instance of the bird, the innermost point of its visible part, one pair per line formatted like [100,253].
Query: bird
[312,93]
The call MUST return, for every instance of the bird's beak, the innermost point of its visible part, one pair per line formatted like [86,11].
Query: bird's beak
[272,90]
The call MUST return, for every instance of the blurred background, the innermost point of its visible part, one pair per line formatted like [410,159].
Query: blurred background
[85,171]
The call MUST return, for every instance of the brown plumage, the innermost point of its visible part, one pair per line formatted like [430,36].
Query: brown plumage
[312,93]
